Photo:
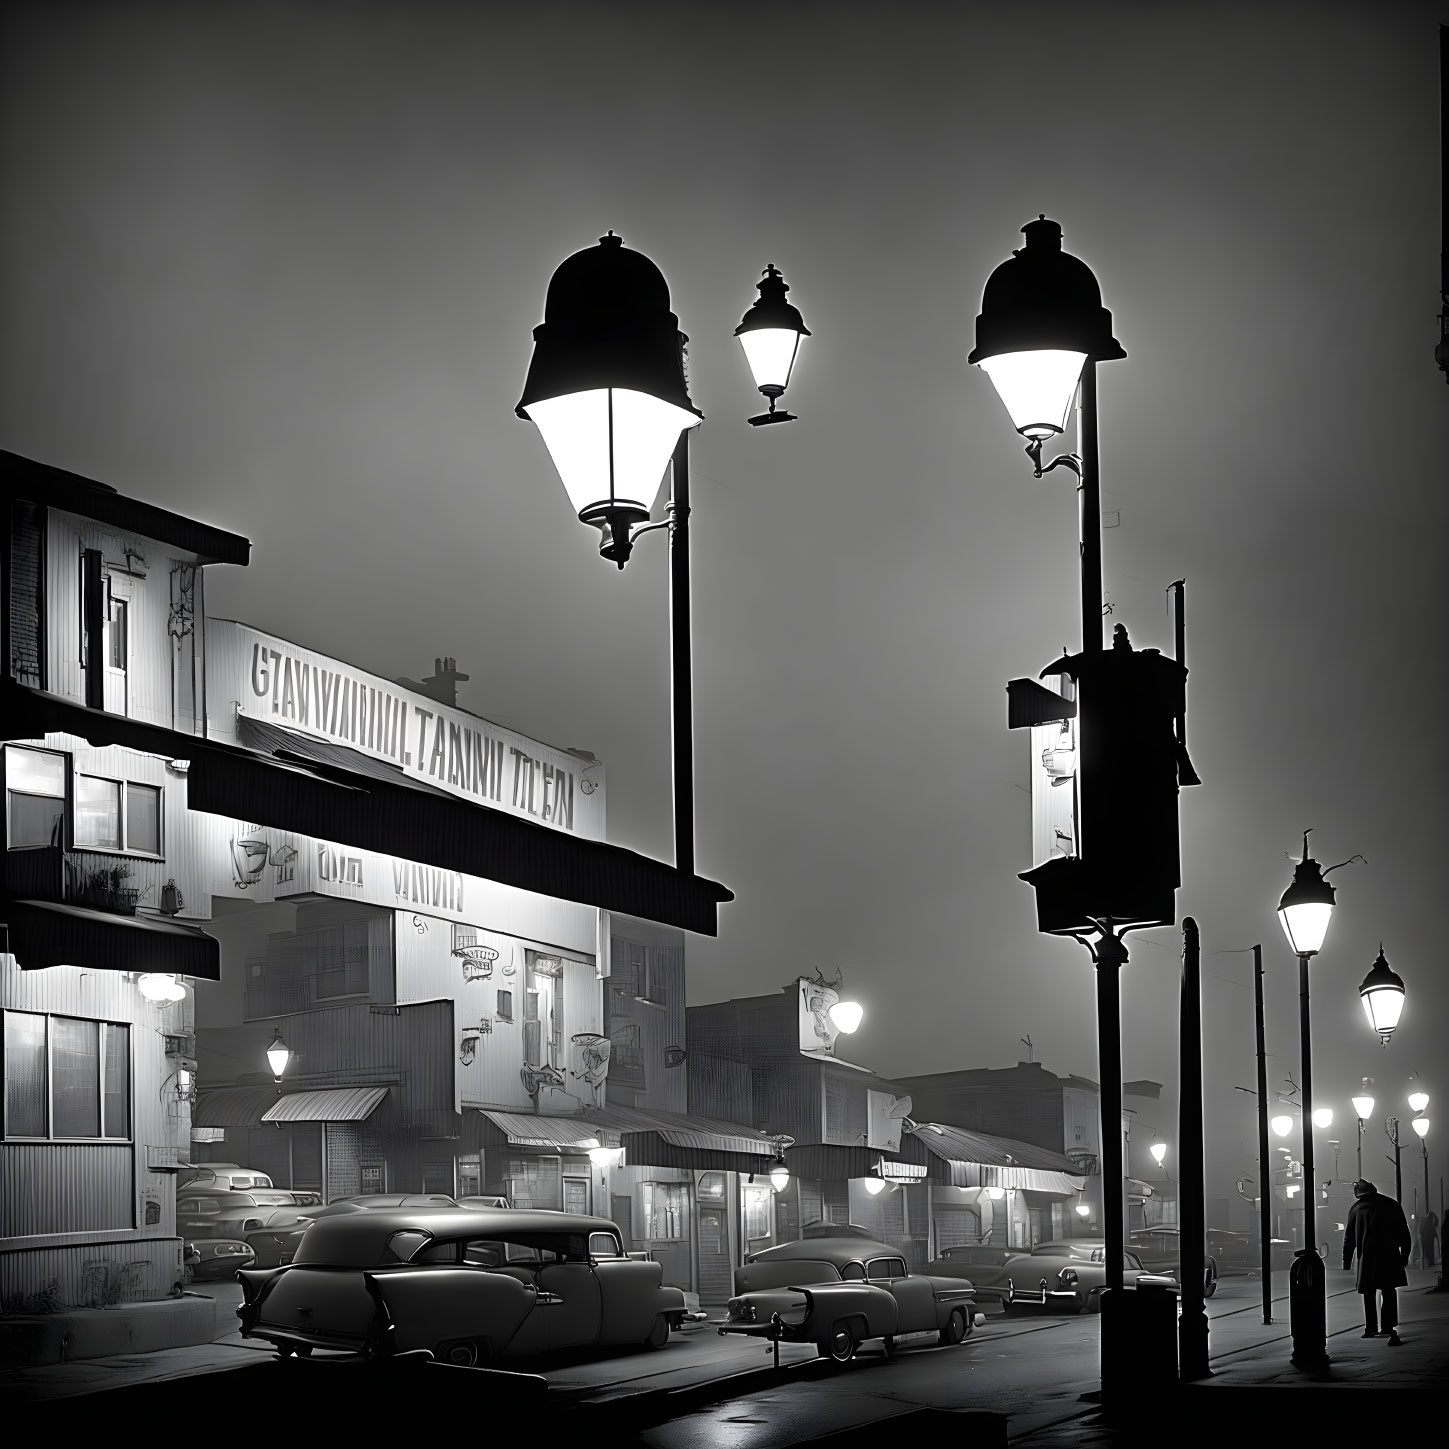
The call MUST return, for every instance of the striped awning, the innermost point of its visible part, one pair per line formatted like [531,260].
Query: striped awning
[232,1106]
[328,1104]
[653,1138]
[972,1159]
[523,1129]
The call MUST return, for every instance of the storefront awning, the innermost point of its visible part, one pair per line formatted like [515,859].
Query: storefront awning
[525,1130]
[49,933]
[683,1140]
[232,1106]
[959,1158]
[392,817]
[838,1161]
[329,1104]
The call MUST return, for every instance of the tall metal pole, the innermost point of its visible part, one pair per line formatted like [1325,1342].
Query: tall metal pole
[1308,1307]
[1265,1166]
[1398,1170]
[1360,1148]
[1111,954]
[1090,494]
[1192,1325]
[680,660]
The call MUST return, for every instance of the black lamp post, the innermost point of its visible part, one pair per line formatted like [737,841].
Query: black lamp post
[1304,910]
[1040,334]
[1363,1109]
[1391,1131]
[606,388]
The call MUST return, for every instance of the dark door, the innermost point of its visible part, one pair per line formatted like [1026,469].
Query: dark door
[715,1276]
[621,1209]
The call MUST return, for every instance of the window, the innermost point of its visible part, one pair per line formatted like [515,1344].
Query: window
[604,1245]
[34,798]
[853,1273]
[341,962]
[666,1210]
[66,1077]
[757,1211]
[505,1006]
[117,815]
[116,653]
[879,1268]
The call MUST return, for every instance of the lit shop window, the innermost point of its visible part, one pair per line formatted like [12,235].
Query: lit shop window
[666,1210]
[34,798]
[66,1078]
[757,1210]
[117,815]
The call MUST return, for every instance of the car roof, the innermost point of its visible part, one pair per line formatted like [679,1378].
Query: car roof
[826,1250]
[454,1222]
[232,1196]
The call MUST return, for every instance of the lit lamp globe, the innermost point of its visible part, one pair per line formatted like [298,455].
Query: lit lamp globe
[1421,1126]
[1041,321]
[1363,1107]
[1418,1101]
[1382,994]
[770,334]
[1306,906]
[845,1016]
[279,1056]
[779,1174]
[158,986]
[1083,1210]
[875,1186]
[1282,1125]
[995,1194]
[1159,1151]
[606,387]
[1323,1116]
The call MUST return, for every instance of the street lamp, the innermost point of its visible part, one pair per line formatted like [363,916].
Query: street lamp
[1323,1117]
[779,1173]
[1420,1125]
[1363,1109]
[1391,1131]
[1282,1124]
[846,1015]
[160,987]
[1159,1152]
[1305,909]
[1418,1098]
[279,1056]
[607,391]
[1382,994]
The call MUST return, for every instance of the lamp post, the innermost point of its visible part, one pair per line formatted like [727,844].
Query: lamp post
[1305,909]
[1420,1125]
[1363,1109]
[1391,1131]
[607,391]
[1382,994]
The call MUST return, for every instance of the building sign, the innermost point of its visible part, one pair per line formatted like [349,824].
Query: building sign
[884,1114]
[284,684]
[902,1171]
[817,1031]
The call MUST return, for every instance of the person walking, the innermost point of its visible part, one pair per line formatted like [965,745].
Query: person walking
[1428,1236]
[1379,1233]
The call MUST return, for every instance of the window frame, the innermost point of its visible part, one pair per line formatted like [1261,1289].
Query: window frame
[102,1038]
[64,797]
[123,788]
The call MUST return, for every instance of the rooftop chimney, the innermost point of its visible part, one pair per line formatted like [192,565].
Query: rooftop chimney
[441,685]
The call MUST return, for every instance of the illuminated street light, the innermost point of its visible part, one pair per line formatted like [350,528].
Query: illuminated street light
[160,987]
[1382,993]
[770,335]
[1418,1098]
[1323,1116]
[279,1056]
[779,1173]
[846,1015]
[1282,1125]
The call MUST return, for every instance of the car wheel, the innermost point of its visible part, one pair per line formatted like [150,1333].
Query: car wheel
[659,1334]
[840,1346]
[956,1327]
[1076,1305]
[461,1352]
[1211,1285]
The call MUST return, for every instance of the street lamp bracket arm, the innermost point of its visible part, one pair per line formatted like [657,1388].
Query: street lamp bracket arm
[1062,460]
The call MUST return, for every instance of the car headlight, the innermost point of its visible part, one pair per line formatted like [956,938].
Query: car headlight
[1067,1277]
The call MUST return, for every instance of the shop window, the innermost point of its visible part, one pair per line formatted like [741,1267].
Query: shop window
[34,798]
[711,1187]
[438,1177]
[834,1116]
[757,1211]
[66,1078]
[666,1210]
[117,815]
[118,634]
[505,1006]
[470,1174]
[341,962]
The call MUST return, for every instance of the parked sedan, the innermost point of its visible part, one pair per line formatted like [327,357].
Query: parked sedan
[211,1259]
[980,1263]
[276,1239]
[838,1292]
[1160,1249]
[209,1213]
[1067,1275]
[465,1285]
[221,1176]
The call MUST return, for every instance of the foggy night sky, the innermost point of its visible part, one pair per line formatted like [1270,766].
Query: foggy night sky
[277,267]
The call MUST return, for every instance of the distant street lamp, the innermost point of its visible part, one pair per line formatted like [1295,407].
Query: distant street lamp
[1282,1124]
[1421,1126]
[846,1016]
[1159,1153]
[1363,1109]
[1391,1131]
[1382,993]
[1418,1098]
[279,1056]
[1323,1117]
[607,390]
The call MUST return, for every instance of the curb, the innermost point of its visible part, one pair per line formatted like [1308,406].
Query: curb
[87,1333]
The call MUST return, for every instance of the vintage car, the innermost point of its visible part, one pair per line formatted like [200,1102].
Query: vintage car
[218,1213]
[980,1263]
[466,1285]
[1067,1275]
[1160,1250]
[209,1260]
[838,1292]
[275,1239]
[221,1176]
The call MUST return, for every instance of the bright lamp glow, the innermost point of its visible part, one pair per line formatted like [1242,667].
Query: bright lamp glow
[1037,387]
[995,1193]
[770,351]
[155,986]
[779,1174]
[874,1186]
[610,445]
[1323,1116]
[1363,1108]
[1083,1210]
[279,1054]
[1382,993]
[1418,1101]
[1305,925]
[603,1157]
[1159,1151]
[1421,1126]
[1282,1125]
[847,1015]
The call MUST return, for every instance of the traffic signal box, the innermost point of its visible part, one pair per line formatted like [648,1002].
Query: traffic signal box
[1125,863]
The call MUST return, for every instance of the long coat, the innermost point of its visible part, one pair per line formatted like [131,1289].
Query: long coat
[1379,1233]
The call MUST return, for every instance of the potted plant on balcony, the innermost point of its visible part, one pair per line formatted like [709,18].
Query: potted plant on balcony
[108,889]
